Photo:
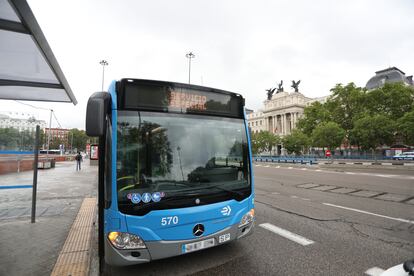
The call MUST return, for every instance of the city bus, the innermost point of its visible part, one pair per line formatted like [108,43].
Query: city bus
[175,169]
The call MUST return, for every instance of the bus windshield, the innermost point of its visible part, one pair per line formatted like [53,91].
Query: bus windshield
[167,160]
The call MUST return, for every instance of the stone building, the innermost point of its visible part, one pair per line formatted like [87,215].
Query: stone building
[389,75]
[281,113]
[20,121]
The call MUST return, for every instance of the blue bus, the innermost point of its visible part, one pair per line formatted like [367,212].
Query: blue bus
[175,169]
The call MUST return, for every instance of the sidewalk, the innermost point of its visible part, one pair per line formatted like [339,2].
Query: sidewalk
[32,249]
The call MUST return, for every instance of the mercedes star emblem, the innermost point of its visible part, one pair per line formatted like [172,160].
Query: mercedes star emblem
[198,230]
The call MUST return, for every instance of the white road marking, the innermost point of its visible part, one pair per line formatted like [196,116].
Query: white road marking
[277,167]
[318,170]
[287,234]
[275,193]
[374,271]
[304,198]
[369,213]
[267,166]
[290,168]
[304,169]
[350,173]
[293,196]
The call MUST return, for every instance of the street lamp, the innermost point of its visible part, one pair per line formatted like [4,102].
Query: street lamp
[189,55]
[103,63]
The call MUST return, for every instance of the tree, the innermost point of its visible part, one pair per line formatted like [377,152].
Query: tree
[264,141]
[314,114]
[77,139]
[406,127]
[346,105]
[329,135]
[373,131]
[392,100]
[296,142]
[9,138]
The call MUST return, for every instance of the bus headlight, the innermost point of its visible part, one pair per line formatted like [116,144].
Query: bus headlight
[247,218]
[125,240]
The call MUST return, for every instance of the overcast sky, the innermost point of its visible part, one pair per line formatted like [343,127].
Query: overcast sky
[240,46]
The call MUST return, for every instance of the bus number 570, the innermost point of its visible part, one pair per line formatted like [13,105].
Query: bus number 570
[169,220]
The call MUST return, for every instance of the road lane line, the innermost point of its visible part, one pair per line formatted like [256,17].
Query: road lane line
[304,198]
[286,234]
[267,166]
[374,271]
[318,170]
[275,193]
[350,173]
[293,196]
[369,213]
[277,167]
[304,169]
[290,168]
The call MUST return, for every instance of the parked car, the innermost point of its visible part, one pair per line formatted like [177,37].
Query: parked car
[408,155]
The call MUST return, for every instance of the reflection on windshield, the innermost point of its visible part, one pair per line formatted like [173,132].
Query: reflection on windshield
[174,155]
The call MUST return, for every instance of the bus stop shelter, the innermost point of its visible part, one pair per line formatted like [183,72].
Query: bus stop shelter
[28,69]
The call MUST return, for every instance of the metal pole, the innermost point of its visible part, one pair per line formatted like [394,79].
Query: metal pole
[189,70]
[103,63]
[48,136]
[103,76]
[71,144]
[36,160]
[190,55]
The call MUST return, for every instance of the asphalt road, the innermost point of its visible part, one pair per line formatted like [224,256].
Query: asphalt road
[346,221]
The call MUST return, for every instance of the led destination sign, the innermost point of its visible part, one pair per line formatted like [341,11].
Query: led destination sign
[176,97]
[187,101]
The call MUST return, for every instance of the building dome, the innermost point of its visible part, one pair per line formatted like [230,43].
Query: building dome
[389,75]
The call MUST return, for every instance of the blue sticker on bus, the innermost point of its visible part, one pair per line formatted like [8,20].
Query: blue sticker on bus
[156,197]
[146,197]
[136,198]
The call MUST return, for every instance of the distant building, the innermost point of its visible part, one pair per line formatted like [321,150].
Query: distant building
[57,133]
[389,75]
[22,124]
[281,113]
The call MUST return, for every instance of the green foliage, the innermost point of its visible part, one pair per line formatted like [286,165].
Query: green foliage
[314,114]
[79,139]
[264,141]
[328,135]
[393,100]
[296,142]
[349,104]
[373,131]
[13,139]
[406,127]
[345,105]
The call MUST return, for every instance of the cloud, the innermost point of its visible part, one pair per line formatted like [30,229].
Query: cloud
[241,46]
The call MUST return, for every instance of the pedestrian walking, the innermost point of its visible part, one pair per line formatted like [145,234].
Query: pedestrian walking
[78,159]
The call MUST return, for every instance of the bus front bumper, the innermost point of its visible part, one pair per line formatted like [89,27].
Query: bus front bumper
[163,249]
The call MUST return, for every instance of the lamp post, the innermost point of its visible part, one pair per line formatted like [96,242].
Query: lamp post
[103,63]
[189,55]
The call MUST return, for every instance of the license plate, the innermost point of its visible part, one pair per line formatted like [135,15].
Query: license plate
[194,246]
[224,238]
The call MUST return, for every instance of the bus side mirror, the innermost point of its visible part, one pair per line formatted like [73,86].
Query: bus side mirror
[96,110]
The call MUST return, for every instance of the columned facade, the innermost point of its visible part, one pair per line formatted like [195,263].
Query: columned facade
[280,114]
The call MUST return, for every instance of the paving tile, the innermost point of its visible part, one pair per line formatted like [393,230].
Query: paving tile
[366,193]
[325,188]
[308,185]
[393,197]
[343,190]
